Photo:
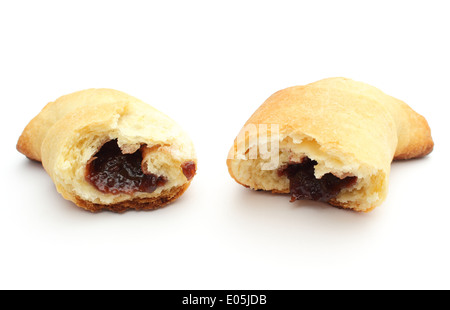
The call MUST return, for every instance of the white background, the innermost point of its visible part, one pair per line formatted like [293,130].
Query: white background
[209,65]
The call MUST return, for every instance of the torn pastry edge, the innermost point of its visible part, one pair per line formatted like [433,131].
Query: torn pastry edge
[94,143]
[374,182]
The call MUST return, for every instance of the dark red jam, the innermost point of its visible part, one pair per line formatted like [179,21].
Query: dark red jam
[112,172]
[188,169]
[304,185]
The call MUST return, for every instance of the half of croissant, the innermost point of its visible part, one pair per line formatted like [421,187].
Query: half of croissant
[105,149]
[333,140]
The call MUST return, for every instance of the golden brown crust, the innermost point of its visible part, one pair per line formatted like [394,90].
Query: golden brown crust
[422,144]
[153,203]
[24,145]
[28,144]
[417,151]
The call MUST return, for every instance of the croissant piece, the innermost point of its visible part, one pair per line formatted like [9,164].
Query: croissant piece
[332,141]
[105,149]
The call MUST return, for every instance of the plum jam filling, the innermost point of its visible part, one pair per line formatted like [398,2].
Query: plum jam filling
[112,172]
[188,169]
[304,185]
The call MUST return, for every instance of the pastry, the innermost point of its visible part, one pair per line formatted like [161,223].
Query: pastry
[332,141]
[105,149]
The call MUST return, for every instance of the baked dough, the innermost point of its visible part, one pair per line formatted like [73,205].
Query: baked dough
[69,135]
[340,129]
